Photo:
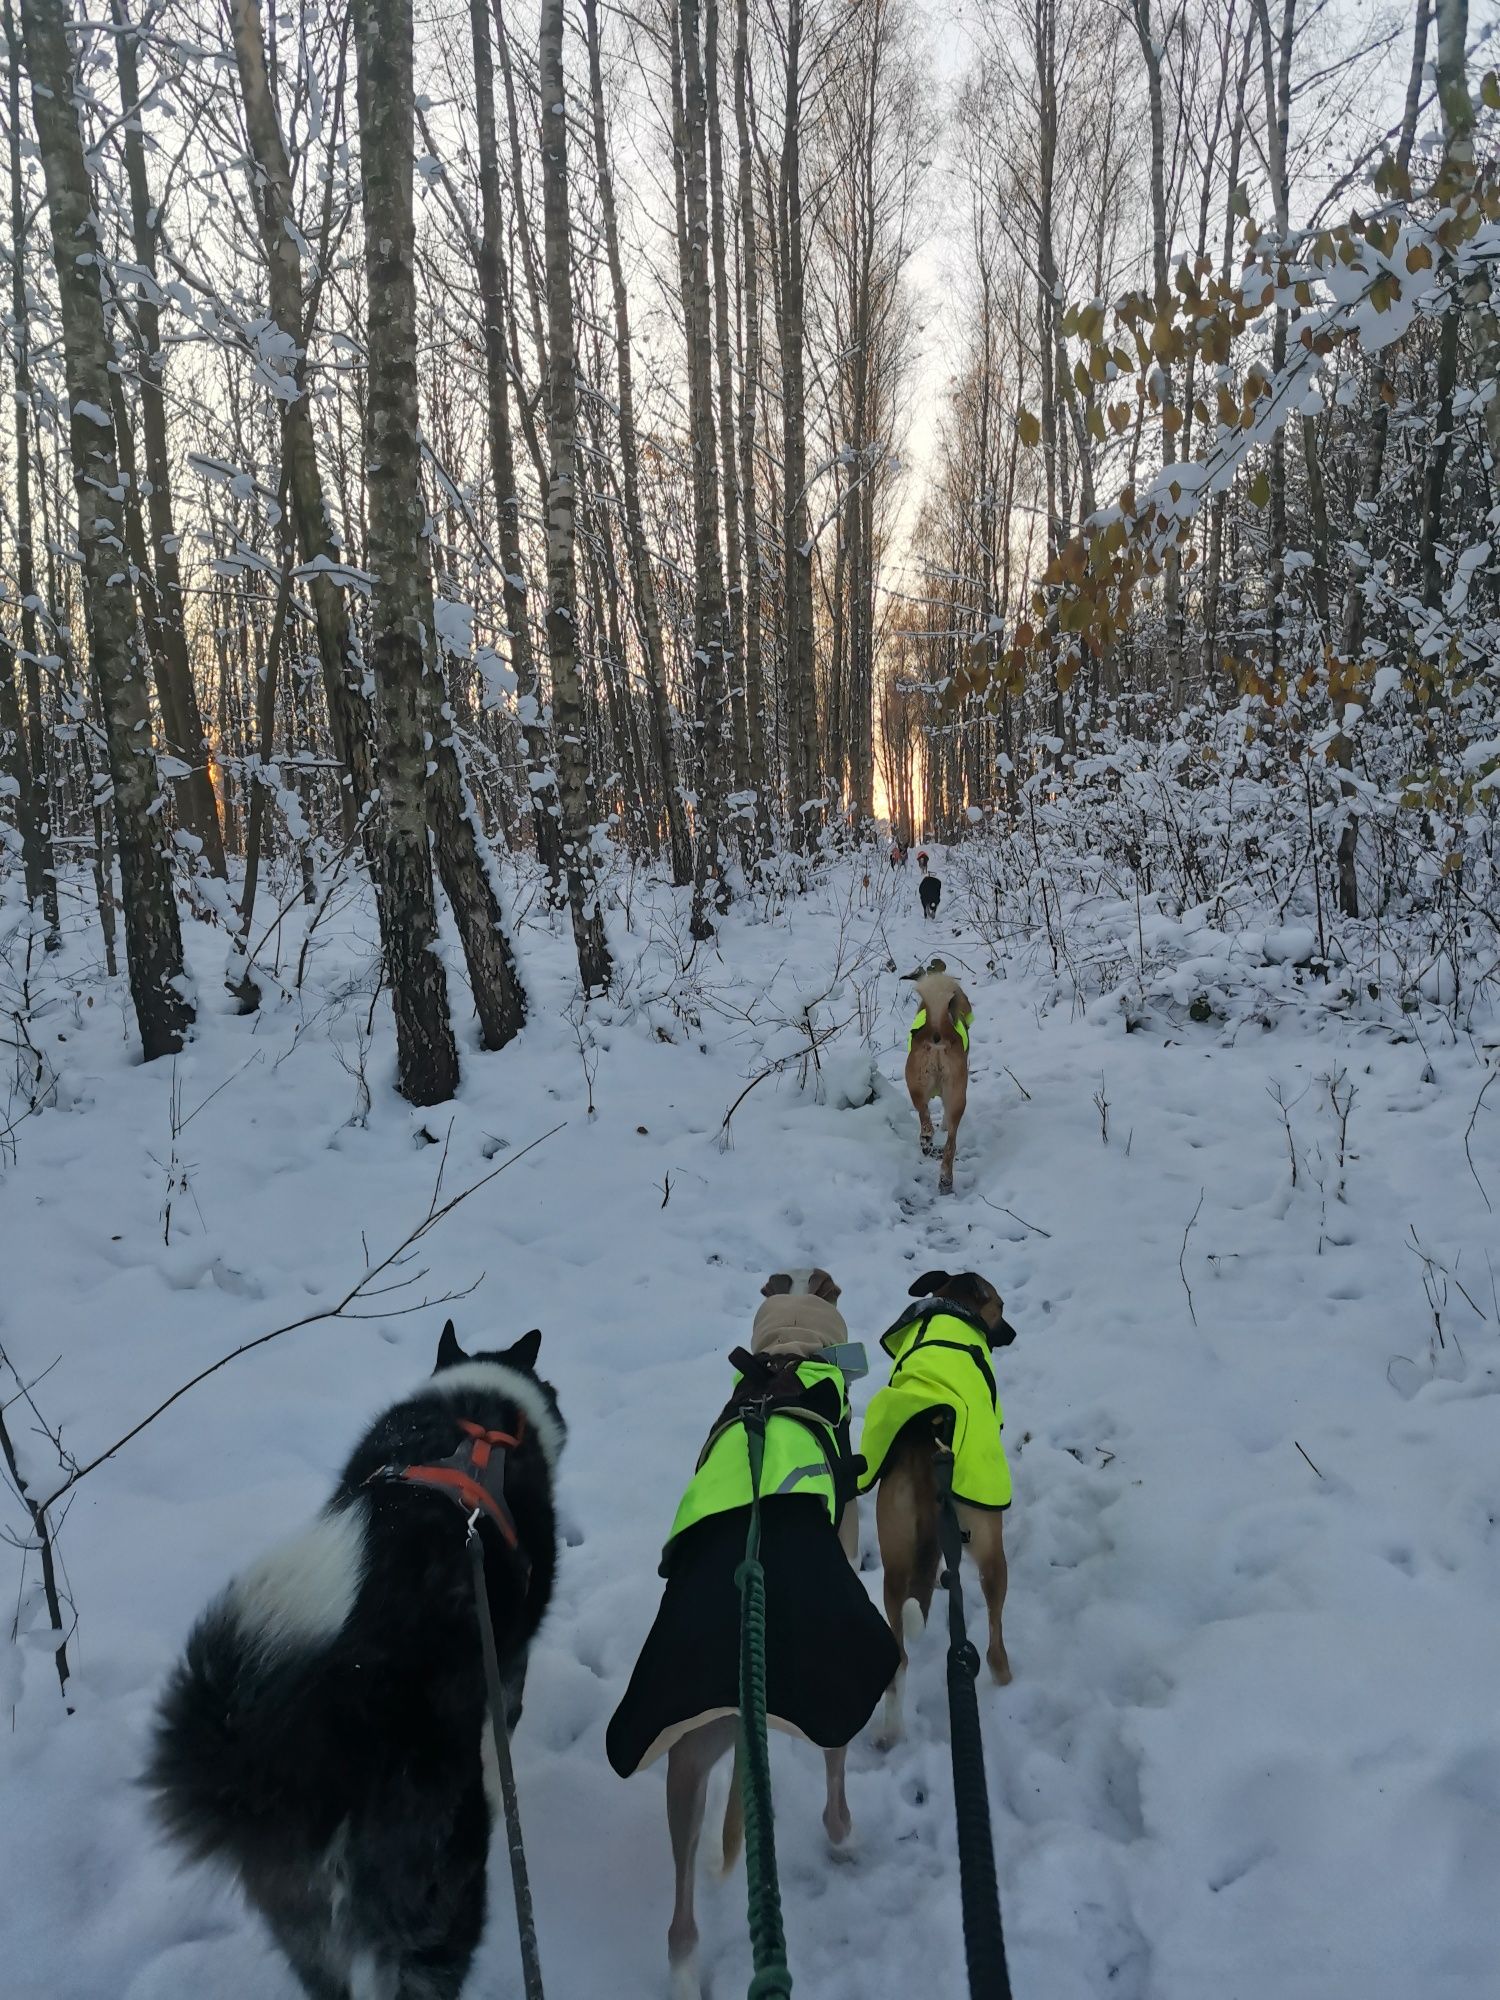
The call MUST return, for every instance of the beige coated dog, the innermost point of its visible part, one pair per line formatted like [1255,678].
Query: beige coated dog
[692,1758]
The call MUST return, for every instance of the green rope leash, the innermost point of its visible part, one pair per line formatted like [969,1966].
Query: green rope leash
[772,1980]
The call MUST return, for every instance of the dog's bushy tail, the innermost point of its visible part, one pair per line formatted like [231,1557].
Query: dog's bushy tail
[208,1768]
[734,1820]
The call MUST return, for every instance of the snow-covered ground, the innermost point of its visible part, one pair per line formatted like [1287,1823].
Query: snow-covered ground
[1253,1746]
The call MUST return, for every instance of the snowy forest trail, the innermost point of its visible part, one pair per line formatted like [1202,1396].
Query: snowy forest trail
[1251,1748]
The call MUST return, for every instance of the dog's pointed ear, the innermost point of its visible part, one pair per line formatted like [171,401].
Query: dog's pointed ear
[776,1284]
[524,1352]
[823,1287]
[449,1353]
[938,965]
[927,1284]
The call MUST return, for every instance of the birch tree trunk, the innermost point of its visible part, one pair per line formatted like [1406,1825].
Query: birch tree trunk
[733,549]
[15,766]
[1452,19]
[1153,56]
[1214,566]
[642,578]
[525,234]
[153,939]
[1351,636]
[161,583]
[1458,174]
[493,290]
[709,608]
[400,609]
[467,868]
[1276,68]
[797,606]
[318,544]
[28,743]
[755,692]
[594,965]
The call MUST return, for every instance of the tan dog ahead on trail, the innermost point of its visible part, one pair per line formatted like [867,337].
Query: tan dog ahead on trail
[937,1060]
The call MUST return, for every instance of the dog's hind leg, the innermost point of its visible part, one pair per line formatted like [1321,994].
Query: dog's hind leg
[689,1762]
[906,1621]
[375,1978]
[919,1090]
[317,1981]
[302,1908]
[895,1523]
[955,1100]
[906,1523]
[837,1823]
[986,1533]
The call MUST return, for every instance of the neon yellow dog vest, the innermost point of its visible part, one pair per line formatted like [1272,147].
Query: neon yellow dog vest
[942,1362]
[961,1028]
[802,1449]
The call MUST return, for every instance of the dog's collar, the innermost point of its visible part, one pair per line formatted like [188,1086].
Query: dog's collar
[926,1309]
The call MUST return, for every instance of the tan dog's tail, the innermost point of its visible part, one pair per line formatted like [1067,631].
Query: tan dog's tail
[734,1820]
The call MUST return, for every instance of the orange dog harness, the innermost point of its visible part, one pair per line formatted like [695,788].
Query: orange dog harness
[474,1479]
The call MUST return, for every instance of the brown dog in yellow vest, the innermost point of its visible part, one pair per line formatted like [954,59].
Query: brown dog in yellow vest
[942,1347]
[937,1060]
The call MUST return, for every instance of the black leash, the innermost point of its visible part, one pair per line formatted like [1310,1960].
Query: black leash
[984,1938]
[772,1980]
[531,1962]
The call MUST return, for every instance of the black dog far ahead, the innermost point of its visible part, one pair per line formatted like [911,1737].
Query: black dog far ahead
[324,1736]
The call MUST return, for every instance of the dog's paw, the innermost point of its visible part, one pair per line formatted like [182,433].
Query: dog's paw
[999,1661]
[837,1824]
[928,1144]
[892,1722]
[687,1980]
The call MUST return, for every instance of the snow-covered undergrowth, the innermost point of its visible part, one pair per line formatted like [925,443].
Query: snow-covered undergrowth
[1252,1747]
[1195,882]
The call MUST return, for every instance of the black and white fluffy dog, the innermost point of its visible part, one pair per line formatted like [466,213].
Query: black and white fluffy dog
[326,1737]
[930,889]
